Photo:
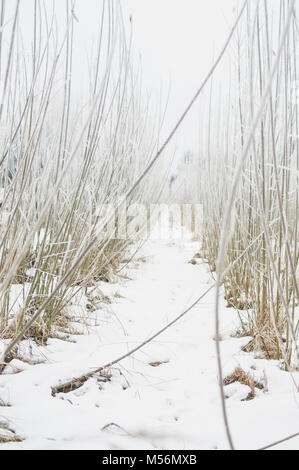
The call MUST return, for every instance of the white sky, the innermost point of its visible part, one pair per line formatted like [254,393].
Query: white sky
[175,40]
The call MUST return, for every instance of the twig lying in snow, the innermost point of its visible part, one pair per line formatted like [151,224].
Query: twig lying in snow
[109,425]
[110,216]
[280,442]
[84,377]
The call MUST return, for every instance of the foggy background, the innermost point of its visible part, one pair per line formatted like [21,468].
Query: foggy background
[173,46]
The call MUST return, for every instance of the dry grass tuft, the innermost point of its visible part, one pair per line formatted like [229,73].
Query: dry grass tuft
[8,435]
[158,363]
[245,378]
[192,261]
[265,341]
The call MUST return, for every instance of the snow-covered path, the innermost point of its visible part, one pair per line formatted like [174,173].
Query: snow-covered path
[166,396]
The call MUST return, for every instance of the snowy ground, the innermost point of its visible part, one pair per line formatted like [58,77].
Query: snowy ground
[172,404]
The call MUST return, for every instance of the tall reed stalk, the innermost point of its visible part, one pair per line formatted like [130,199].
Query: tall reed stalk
[263,286]
[63,159]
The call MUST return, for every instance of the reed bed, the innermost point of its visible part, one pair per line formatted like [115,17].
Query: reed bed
[65,159]
[263,285]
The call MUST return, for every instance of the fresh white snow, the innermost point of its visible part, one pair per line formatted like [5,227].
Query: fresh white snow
[174,405]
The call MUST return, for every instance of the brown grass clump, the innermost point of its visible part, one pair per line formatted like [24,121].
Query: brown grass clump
[37,331]
[8,435]
[192,261]
[41,329]
[264,340]
[3,404]
[245,378]
[158,363]
[11,355]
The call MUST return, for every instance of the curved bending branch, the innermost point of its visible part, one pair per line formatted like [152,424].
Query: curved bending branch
[110,216]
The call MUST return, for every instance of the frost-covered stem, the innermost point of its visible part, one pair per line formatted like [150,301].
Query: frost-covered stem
[122,201]
[226,224]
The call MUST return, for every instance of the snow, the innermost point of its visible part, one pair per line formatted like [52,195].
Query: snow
[173,404]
